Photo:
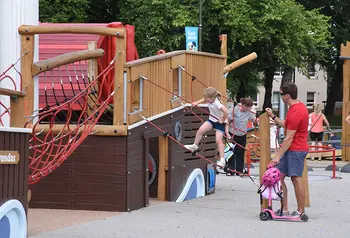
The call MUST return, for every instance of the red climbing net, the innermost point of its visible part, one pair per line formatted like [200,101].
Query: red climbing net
[6,75]
[73,104]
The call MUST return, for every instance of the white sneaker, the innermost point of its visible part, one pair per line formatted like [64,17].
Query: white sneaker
[220,169]
[191,147]
[221,162]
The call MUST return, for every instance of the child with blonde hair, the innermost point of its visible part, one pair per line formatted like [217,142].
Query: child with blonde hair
[218,115]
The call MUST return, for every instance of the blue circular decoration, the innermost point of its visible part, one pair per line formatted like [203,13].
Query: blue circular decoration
[152,169]
[5,227]
[178,131]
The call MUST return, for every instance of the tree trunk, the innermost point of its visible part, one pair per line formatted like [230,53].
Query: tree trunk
[269,74]
[334,89]
[288,74]
[241,92]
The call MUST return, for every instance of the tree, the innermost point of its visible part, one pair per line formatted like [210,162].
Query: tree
[63,11]
[282,33]
[339,22]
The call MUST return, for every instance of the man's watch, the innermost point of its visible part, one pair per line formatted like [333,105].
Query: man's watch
[274,117]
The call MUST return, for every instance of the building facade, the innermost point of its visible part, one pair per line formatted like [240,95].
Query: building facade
[312,90]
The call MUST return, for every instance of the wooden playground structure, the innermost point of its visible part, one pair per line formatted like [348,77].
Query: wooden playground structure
[108,168]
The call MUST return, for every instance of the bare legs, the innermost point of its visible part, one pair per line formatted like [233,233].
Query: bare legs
[219,143]
[201,131]
[299,193]
[285,193]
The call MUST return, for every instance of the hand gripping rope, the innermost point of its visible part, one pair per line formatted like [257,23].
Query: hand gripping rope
[193,78]
[166,134]
[174,94]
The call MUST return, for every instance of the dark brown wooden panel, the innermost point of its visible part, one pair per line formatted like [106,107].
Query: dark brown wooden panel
[50,205]
[105,141]
[136,191]
[108,159]
[97,150]
[94,176]
[14,177]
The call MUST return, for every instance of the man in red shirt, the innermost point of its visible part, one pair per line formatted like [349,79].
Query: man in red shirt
[290,157]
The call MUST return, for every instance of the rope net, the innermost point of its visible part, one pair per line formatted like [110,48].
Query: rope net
[6,75]
[70,101]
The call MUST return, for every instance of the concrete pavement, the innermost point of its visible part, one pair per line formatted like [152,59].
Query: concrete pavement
[231,212]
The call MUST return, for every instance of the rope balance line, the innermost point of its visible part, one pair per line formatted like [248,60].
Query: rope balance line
[174,94]
[166,134]
[229,139]
[193,78]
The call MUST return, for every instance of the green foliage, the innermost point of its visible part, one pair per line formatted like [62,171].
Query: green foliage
[62,11]
[282,32]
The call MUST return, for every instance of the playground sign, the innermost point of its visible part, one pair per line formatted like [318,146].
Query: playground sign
[9,157]
[191,38]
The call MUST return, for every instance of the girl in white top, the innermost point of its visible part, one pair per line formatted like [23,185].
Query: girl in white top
[217,118]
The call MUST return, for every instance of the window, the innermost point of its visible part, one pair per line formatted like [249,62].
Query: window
[275,99]
[310,99]
[254,98]
[136,96]
[278,73]
[312,70]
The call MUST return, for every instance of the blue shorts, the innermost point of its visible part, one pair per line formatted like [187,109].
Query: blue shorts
[218,126]
[292,163]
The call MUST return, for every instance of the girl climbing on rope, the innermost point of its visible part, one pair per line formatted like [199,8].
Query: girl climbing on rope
[217,118]
[238,117]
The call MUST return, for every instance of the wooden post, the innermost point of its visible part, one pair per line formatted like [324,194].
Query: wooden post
[93,72]
[24,106]
[306,184]
[118,98]
[162,170]
[223,48]
[265,153]
[345,51]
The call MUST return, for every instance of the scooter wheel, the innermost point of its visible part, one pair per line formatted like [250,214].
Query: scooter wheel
[194,153]
[304,217]
[264,216]
[225,169]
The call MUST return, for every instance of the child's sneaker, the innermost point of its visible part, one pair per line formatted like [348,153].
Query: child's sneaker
[191,147]
[284,213]
[295,214]
[221,163]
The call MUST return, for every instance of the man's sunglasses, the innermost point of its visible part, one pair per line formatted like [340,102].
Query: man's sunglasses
[282,94]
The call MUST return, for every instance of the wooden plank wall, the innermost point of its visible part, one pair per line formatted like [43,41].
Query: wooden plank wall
[208,70]
[14,178]
[345,51]
[162,71]
[92,178]
[180,164]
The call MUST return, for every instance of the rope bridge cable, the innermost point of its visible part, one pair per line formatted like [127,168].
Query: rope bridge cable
[49,150]
[166,134]
[230,139]
[174,94]
[193,78]
[4,75]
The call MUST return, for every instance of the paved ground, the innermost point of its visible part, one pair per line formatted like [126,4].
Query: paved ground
[231,212]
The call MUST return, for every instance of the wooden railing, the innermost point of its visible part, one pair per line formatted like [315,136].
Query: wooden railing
[151,84]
